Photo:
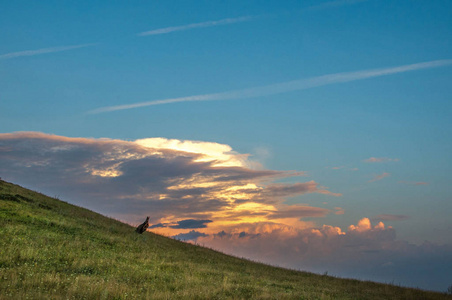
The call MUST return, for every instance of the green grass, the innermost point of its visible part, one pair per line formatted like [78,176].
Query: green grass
[50,249]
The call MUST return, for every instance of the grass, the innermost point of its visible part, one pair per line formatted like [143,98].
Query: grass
[50,249]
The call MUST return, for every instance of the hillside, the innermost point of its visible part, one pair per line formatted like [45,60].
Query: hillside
[51,249]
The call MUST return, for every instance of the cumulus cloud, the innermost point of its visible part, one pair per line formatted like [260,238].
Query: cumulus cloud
[365,250]
[290,246]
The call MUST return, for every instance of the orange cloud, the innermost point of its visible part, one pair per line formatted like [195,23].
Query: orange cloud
[285,245]
[339,211]
[180,183]
[365,250]
[365,225]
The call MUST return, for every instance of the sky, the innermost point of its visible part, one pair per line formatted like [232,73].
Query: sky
[313,135]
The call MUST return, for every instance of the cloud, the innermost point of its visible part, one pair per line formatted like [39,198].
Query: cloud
[364,225]
[337,168]
[181,184]
[192,235]
[287,190]
[414,182]
[191,223]
[159,225]
[183,224]
[365,250]
[298,211]
[380,160]
[227,21]
[206,192]
[196,25]
[342,168]
[380,177]
[43,51]
[389,217]
[339,211]
[421,183]
[295,85]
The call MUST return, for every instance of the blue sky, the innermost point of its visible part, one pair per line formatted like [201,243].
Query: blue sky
[315,86]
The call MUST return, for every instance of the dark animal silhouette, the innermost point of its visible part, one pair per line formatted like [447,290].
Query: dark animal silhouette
[142,228]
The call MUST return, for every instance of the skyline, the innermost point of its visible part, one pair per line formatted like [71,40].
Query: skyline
[312,135]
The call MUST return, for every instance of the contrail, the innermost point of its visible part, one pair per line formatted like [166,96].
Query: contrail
[226,21]
[196,25]
[278,88]
[42,51]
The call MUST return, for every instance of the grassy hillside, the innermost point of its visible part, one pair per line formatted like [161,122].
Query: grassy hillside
[51,249]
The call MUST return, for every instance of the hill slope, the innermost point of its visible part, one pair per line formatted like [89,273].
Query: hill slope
[51,249]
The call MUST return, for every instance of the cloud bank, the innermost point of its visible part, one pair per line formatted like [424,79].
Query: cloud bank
[365,250]
[295,85]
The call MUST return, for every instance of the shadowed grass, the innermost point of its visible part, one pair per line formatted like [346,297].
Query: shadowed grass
[51,249]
